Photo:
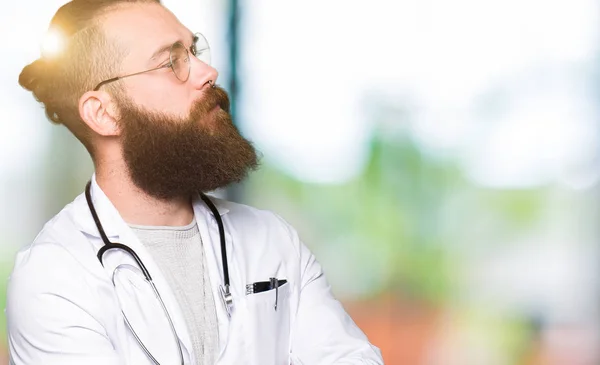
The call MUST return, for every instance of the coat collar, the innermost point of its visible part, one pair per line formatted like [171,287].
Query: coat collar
[109,216]
[117,230]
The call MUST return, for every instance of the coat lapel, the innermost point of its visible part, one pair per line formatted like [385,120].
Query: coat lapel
[209,232]
[118,231]
[232,338]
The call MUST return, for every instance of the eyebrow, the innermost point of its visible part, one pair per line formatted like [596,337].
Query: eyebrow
[167,47]
[161,50]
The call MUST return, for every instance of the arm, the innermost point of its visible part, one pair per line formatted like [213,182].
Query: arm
[323,333]
[50,312]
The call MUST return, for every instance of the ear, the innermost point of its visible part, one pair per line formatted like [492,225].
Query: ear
[98,110]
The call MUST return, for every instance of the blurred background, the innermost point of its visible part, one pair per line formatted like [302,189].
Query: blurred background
[441,158]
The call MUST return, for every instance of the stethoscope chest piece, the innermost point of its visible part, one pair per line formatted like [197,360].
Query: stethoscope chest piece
[227,299]
[225,292]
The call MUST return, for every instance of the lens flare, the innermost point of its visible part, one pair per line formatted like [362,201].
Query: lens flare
[53,44]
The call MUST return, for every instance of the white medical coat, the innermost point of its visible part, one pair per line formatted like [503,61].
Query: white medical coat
[62,307]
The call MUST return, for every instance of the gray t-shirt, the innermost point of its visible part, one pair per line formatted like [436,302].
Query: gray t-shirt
[179,253]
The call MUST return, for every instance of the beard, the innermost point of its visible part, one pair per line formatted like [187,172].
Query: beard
[169,157]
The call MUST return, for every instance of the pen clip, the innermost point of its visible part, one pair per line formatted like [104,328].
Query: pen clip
[275,284]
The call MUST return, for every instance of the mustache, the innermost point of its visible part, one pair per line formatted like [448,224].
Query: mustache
[211,98]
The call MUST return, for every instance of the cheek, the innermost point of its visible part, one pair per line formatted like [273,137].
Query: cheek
[162,98]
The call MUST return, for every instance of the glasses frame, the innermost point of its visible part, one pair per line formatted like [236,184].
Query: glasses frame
[197,36]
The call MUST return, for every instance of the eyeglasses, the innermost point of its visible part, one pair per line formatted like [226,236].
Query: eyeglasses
[179,60]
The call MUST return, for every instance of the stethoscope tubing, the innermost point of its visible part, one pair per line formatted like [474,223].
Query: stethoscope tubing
[108,245]
[166,312]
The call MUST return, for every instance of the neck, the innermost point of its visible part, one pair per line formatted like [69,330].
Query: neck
[137,207]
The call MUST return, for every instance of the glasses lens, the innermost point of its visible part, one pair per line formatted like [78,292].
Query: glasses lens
[201,48]
[180,61]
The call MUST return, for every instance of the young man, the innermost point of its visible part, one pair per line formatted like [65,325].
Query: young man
[143,268]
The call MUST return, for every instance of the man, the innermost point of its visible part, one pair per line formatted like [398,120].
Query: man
[143,268]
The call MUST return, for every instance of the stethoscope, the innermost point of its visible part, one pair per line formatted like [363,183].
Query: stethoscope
[225,293]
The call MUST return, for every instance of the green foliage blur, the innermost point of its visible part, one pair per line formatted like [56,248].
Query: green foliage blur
[405,228]
[404,221]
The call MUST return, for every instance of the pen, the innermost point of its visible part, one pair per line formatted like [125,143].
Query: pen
[275,284]
[262,286]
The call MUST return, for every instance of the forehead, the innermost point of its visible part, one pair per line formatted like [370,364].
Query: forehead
[142,27]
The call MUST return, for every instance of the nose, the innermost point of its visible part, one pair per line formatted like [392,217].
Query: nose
[202,75]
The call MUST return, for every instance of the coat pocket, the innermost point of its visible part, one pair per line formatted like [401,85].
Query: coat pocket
[269,326]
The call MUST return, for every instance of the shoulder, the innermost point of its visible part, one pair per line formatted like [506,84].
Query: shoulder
[53,304]
[45,276]
[52,263]
[61,229]
[47,255]
[245,216]
[42,270]
[50,287]
[259,229]
[47,267]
